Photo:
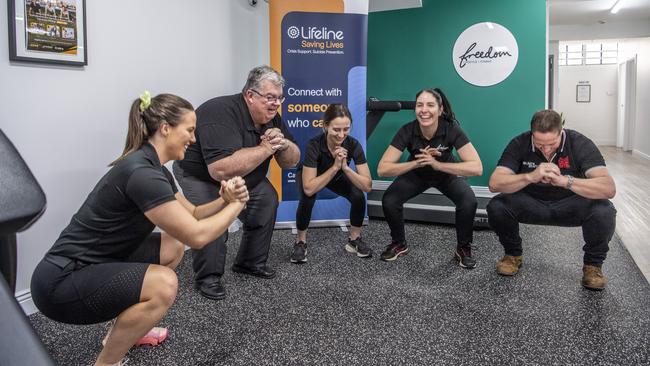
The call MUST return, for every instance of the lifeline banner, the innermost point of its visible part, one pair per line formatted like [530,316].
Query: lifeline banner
[319,46]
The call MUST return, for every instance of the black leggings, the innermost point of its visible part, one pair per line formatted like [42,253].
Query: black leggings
[597,218]
[341,186]
[81,293]
[410,184]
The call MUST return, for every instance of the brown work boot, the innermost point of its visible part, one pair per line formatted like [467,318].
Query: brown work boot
[593,278]
[509,265]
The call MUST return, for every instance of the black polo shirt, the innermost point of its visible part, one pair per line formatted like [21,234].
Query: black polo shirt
[576,155]
[111,223]
[317,154]
[447,136]
[223,126]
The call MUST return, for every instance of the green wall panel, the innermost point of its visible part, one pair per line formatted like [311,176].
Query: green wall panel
[412,49]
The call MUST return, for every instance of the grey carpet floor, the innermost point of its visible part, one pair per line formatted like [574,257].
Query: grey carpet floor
[422,309]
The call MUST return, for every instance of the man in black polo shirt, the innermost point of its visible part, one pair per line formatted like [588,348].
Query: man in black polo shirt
[553,176]
[237,135]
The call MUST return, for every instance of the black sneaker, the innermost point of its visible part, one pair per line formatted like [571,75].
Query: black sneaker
[464,257]
[358,246]
[393,251]
[299,254]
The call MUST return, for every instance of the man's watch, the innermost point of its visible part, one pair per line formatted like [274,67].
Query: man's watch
[569,182]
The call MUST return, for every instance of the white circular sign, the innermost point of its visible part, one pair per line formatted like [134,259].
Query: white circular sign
[485,54]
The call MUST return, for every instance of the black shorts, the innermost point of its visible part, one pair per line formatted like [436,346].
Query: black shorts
[93,293]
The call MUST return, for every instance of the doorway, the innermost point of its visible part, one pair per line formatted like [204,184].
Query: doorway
[626,110]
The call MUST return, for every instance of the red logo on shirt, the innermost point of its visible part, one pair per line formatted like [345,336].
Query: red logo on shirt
[563,162]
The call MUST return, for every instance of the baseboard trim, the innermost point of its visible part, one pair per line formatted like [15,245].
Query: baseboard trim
[24,299]
[417,206]
[479,191]
[639,153]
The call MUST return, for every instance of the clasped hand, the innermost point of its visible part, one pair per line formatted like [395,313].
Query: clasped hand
[340,158]
[549,173]
[427,157]
[234,189]
[274,140]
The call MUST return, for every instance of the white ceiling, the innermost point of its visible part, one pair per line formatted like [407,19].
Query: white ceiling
[561,12]
[584,12]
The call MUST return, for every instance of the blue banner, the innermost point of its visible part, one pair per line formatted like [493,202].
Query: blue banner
[323,59]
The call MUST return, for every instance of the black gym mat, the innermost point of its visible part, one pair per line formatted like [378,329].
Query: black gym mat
[421,309]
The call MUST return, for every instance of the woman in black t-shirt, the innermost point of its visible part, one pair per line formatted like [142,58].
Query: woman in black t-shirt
[430,140]
[107,264]
[326,165]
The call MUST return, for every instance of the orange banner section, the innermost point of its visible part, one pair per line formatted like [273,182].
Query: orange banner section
[277,10]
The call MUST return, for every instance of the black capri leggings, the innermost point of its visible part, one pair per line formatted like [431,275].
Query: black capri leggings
[82,293]
[341,186]
[410,184]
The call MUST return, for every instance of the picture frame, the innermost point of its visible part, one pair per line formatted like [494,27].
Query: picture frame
[583,93]
[48,31]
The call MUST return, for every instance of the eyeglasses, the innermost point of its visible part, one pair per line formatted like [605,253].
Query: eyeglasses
[270,98]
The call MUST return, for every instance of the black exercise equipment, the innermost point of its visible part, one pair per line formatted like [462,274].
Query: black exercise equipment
[22,202]
[376,109]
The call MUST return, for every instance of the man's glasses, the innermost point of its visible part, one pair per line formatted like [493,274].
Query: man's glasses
[270,98]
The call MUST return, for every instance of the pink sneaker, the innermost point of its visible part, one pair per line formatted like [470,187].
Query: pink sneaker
[155,337]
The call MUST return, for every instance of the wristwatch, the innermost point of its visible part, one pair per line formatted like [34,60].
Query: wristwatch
[569,182]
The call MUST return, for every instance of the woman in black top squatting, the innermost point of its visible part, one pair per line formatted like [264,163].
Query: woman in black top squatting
[108,264]
[430,140]
[326,164]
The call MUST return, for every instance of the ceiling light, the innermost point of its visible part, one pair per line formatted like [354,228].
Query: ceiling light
[616,7]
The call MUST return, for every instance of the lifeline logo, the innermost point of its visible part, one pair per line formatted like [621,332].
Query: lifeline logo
[318,33]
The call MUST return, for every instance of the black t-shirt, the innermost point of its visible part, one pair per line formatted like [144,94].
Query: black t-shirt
[223,126]
[447,136]
[317,154]
[111,224]
[575,156]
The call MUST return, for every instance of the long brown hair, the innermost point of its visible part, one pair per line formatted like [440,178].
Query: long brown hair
[145,121]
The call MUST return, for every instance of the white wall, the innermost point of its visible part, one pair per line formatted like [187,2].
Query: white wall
[641,48]
[597,119]
[608,30]
[69,123]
